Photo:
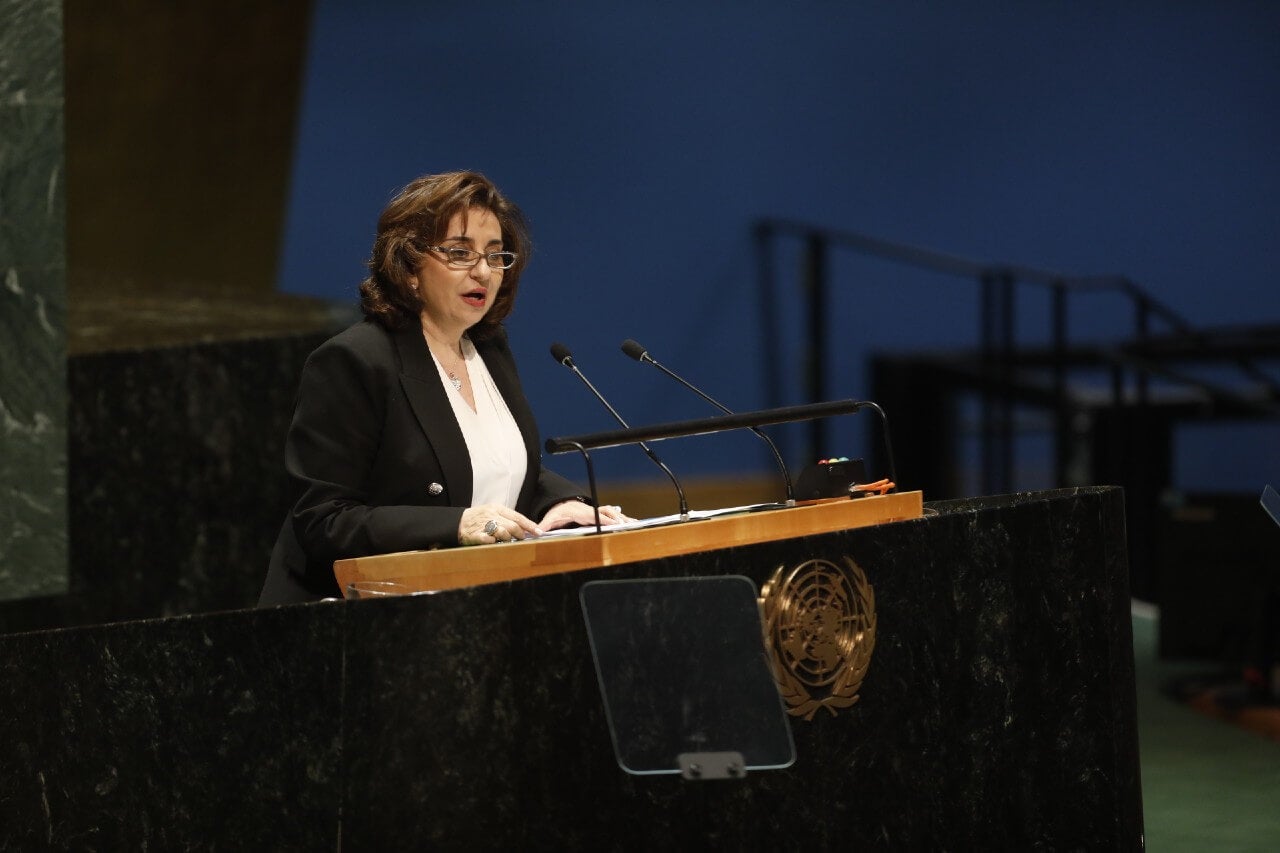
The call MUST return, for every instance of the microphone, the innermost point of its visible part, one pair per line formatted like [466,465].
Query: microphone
[561,354]
[640,354]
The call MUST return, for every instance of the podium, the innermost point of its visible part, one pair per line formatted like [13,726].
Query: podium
[458,567]
[996,710]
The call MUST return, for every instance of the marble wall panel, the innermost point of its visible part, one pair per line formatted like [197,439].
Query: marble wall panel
[177,480]
[33,539]
[173,735]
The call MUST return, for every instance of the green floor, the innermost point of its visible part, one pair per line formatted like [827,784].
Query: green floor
[1206,785]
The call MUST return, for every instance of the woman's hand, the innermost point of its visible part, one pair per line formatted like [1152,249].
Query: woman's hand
[576,512]
[489,523]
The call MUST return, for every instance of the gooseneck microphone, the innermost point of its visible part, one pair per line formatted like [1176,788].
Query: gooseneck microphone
[561,354]
[640,354]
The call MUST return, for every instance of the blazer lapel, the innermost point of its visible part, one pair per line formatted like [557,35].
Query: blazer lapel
[430,404]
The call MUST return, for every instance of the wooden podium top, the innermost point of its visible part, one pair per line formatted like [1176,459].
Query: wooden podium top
[450,568]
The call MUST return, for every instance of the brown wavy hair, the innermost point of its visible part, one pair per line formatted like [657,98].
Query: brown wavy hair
[418,217]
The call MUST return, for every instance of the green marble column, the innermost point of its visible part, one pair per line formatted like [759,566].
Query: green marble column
[33,396]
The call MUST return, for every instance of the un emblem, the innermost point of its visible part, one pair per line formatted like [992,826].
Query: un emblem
[819,630]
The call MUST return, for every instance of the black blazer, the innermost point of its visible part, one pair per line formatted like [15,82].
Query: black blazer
[379,461]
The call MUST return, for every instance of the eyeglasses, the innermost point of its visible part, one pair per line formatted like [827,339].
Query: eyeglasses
[461,258]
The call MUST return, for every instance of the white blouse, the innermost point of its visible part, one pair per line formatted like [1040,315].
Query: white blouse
[498,457]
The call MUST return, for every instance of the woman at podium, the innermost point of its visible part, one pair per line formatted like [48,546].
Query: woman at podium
[410,429]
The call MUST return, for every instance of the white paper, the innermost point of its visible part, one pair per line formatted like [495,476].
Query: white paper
[656,521]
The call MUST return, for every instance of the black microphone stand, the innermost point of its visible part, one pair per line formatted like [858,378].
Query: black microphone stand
[706,426]
[640,354]
[562,355]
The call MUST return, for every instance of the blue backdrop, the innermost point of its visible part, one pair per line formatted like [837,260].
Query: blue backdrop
[643,139]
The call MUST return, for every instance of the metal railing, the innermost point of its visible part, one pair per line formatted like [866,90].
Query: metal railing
[998,350]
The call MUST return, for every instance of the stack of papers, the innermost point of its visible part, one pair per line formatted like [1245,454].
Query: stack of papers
[657,521]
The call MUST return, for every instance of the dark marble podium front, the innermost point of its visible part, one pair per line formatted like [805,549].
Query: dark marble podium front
[998,713]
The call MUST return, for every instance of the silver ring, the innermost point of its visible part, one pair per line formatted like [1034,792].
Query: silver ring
[492,527]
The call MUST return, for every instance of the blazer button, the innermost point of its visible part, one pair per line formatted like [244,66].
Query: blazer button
[435,488]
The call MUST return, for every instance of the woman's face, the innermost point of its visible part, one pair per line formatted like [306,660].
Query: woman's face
[456,298]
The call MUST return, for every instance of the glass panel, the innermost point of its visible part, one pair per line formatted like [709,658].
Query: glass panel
[681,664]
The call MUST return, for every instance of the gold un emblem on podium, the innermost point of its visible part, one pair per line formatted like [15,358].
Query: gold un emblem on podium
[819,632]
